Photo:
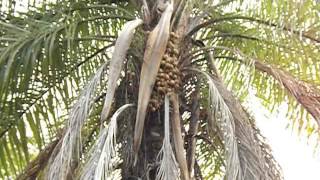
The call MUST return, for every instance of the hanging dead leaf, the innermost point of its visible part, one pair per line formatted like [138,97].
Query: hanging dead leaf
[122,45]
[177,137]
[155,49]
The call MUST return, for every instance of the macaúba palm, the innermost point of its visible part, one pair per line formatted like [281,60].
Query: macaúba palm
[152,89]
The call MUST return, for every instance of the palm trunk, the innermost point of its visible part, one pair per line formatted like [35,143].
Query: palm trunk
[146,165]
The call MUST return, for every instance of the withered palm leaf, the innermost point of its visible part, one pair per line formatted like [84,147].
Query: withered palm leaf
[155,49]
[120,50]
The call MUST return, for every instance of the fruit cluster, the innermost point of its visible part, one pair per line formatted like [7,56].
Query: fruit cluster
[168,78]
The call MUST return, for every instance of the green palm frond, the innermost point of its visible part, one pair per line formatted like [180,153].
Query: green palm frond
[37,53]
[273,38]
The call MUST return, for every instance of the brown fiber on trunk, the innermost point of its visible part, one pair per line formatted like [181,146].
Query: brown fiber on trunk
[146,165]
[39,163]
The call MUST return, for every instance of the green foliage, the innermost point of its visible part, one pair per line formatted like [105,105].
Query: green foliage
[46,56]
[262,31]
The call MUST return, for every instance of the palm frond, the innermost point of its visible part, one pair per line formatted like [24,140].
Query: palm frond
[306,94]
[222,117]
[274,169]
[69,153]
[251,71]
[250,152]
[122,45]
[49,50]
[168,165]
[156,46]
[178,139]
[35,167]
[47,73]
[100,164]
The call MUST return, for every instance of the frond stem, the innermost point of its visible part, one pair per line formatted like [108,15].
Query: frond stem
[230,35]
[252,19]
[193,129]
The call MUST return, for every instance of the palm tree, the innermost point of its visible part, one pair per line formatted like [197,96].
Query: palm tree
[142,89]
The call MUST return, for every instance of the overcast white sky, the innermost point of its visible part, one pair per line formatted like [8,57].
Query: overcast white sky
[296,157]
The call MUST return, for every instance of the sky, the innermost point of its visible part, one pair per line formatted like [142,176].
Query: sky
[295,154]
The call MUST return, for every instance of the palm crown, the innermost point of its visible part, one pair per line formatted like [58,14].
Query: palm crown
[152,88]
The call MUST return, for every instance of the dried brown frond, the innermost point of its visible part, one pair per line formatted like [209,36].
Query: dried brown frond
[122,45]
[155,49]
[177,136]
[306,94]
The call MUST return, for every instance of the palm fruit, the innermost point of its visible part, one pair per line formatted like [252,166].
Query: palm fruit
[168,78]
